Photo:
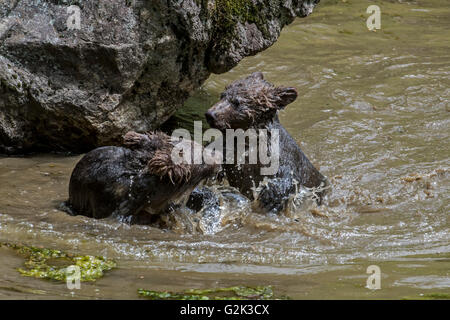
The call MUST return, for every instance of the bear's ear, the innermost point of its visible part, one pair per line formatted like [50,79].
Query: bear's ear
[282,96]
[133,139]
[257,75]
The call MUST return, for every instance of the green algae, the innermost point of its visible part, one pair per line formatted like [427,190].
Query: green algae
[429,296]
[229,293]
[52,264]
[438,296]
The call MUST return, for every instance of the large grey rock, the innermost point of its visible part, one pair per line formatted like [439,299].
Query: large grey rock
[130,65]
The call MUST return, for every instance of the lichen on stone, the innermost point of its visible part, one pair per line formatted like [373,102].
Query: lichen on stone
[228,293]
[52,264]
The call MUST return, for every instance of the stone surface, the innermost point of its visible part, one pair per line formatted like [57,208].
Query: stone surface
[129,67]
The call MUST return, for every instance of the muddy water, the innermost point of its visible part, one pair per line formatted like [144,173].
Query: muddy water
[373,114]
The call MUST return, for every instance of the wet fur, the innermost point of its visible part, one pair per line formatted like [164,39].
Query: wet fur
[122,181]
[254,103]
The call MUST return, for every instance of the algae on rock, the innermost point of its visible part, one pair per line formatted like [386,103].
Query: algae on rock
[52,264]
[229,293]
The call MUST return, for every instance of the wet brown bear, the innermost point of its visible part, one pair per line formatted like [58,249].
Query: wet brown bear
[253,103]
[139,176]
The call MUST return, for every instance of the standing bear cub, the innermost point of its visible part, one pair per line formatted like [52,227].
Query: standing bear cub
[138,178]
[253,103]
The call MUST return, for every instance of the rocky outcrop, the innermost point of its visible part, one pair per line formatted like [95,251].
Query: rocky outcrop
[74,84]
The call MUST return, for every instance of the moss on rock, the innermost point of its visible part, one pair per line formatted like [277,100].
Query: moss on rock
[228,13]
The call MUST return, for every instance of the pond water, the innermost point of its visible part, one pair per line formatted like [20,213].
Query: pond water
[373,114]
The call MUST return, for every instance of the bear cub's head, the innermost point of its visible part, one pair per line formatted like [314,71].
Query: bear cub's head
[159,150]
[249,103]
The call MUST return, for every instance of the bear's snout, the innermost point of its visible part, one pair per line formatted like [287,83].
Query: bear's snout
[221,115]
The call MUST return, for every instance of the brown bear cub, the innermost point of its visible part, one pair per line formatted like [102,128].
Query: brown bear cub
[253,103]
[136,178]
